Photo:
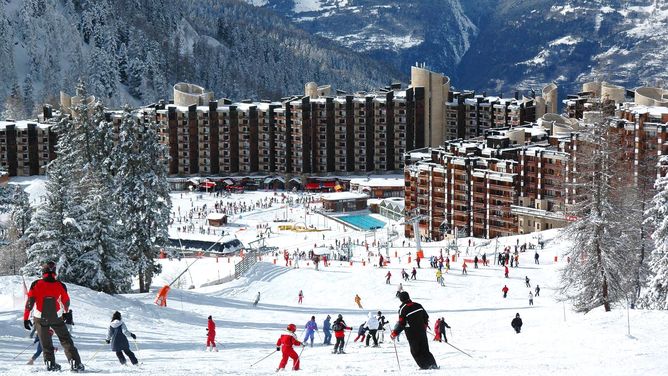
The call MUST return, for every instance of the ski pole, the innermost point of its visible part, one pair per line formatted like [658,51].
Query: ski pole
[318,333]
[453,346]
[348,339]
[451,335]
[24,350]
[96,351]
[272,353]
[396,353]
[220,344]
[136,346]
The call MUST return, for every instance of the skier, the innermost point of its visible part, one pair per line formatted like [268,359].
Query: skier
[339,328]
[484,259]
[475,262]
[464,266]
[119,342]
[414,320]
[404,274]
[387,277]
[46,295]
[535,258]
[361,333]
[38,351]
[327,331]
[211,335]
[526,280]
[530,298]
[257,299]
[372,325]
[300,297]
[442,329]
[310,327]
[505,290]
[358,300]
[517,260]
[447,265]
[381,261]
[284,344]
[399,289]
[506,271]
[414,273]
[439,277]
[437,330]
[537,290]
[381,327]
[517,323]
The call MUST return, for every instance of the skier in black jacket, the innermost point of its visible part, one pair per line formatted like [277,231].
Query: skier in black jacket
[517,323]
[415,320]
[442,326]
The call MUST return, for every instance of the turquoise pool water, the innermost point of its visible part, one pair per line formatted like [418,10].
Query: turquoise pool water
[363,221]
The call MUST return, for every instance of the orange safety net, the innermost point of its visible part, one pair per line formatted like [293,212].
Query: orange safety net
[161,299]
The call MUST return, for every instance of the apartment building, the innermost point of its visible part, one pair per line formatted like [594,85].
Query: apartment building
[26,147]
[312,135]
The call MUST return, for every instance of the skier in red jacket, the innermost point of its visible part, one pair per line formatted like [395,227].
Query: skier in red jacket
[211,335]
[284,344]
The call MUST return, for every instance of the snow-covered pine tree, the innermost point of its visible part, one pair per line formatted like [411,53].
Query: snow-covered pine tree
[14,104]
[50,236]
[598,274]
[101,261]
[142,193]
[655,296]
[21,213]
[28,97]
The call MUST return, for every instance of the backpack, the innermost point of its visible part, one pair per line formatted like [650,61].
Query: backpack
[337,326]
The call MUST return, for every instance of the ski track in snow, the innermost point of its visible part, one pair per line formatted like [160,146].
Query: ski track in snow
[171,340]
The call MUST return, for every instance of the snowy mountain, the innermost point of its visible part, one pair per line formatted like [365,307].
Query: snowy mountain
[134,50]
[499,45]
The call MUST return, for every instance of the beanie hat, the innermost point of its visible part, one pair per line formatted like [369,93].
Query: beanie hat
[404,297]
[210,317]
[292,328]
[116,316]
[49,268]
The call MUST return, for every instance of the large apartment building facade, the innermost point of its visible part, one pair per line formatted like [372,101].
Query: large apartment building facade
[360,133]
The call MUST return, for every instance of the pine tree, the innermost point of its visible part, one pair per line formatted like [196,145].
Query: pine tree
[28,97]
[14,104]
[142,193]
[22,211]
[600,262]
[655,296]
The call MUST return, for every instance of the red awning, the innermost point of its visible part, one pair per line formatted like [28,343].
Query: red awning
[312,186]
[329,184]
[208,185]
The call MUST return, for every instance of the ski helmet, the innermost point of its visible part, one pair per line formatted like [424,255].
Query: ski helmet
[340,316]
[292,328]
[49,268]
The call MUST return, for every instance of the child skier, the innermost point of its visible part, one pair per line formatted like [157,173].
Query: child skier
[119,342]
[361,332]
[257,299]
[38,351]
[211,335]
[505,290]
[284,344]
[339,328]
[310,327]
[301,297]
[399,289]
[537,290]
[437,330]
[530,298]
[387,277]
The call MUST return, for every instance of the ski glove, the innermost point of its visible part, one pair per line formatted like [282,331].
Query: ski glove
[393,335]
[278,348]
[108,341]
[27,324]
[133,336]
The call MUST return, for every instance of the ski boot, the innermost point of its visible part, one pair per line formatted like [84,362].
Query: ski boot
[77,366]
[52,366]
[31,361]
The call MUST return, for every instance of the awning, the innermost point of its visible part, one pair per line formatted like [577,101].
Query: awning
[194,180]
[329,184]
[271,179]
[297,180]
[312,186]
[208,185]
[228,181]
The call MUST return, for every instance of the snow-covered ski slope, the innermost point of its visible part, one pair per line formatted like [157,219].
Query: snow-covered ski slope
[171,340]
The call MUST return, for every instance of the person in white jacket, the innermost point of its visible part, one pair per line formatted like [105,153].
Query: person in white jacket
[372,325]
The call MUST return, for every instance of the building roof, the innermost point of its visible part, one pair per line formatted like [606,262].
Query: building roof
[337,196]
[378,182]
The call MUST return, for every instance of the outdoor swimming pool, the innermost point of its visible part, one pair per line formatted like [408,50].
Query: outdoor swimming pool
[363,221]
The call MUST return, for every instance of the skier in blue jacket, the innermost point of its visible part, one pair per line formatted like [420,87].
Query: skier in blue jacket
[327,331]
[119,342]
[310,327]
